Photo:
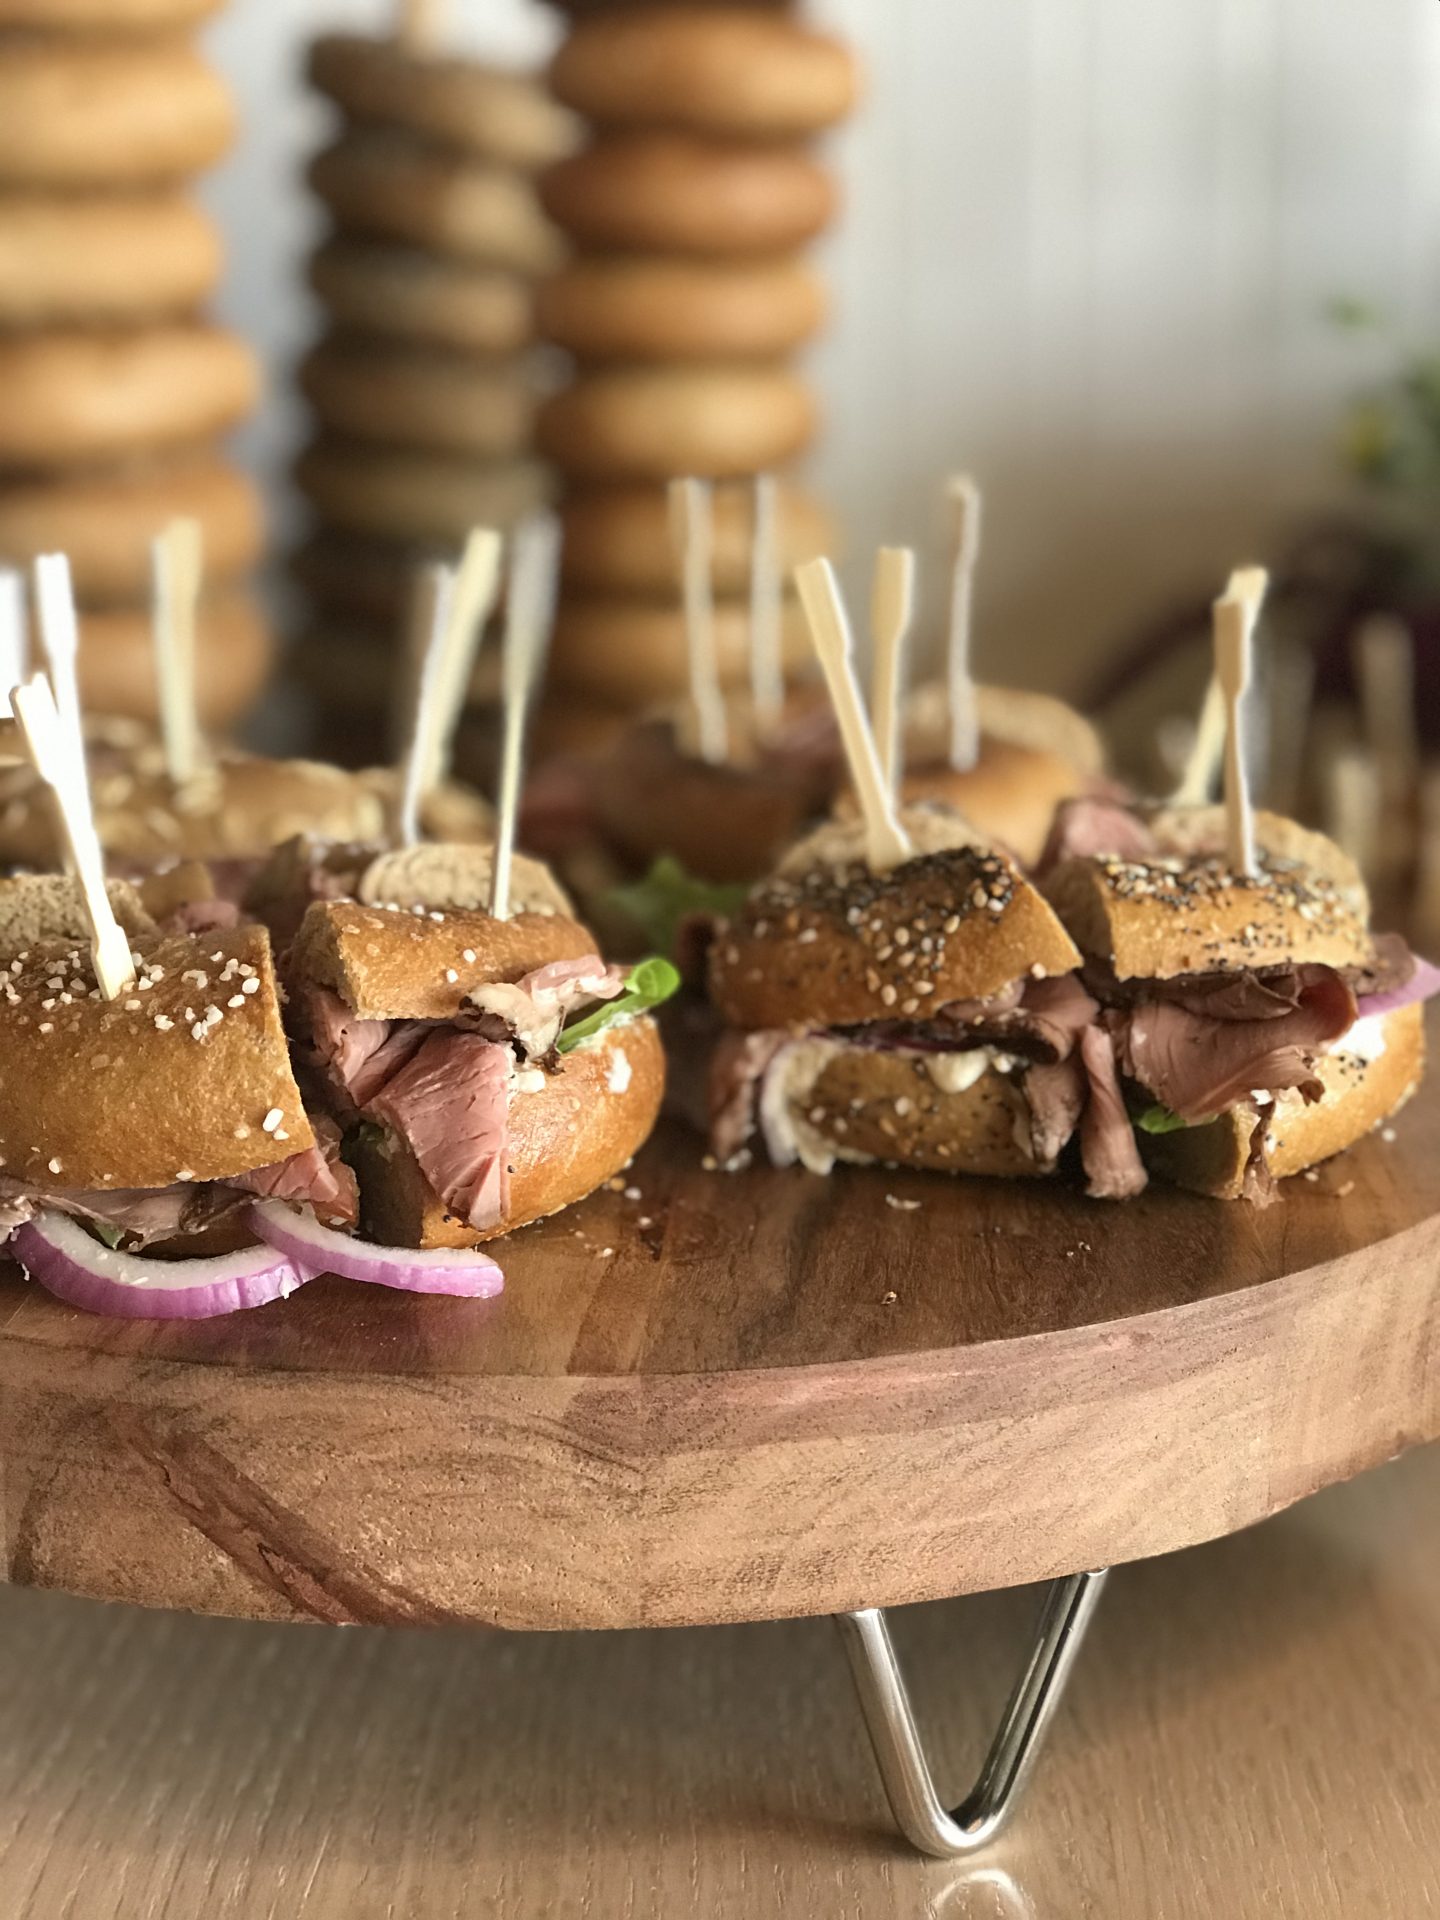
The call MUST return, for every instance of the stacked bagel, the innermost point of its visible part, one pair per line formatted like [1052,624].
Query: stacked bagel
[116,389]
[684,305]
[423,385]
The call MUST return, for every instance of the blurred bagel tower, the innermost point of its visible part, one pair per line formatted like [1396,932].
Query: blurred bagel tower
[115,390]
[423,385]
[684,305]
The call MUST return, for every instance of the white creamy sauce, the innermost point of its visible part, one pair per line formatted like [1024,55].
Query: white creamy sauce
[620,1072]
[1365,1040]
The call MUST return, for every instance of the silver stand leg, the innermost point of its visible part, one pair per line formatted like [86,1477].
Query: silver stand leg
[901,1758]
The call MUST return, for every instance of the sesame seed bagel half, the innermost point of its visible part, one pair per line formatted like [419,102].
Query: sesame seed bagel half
[566,1137]
[1157,918]
[174,1080]
[827,942]
[396,963]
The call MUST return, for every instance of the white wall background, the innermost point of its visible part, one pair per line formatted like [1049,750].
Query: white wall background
[1087,253]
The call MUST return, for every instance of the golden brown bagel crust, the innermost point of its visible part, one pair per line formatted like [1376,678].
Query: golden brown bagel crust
[650,423]
[493,113]
[1158,918]
[395,188]
[886,1106]
[1203,830]
[107,16]
[1012,714]
[113,1100]
[104,522]
[104,261]
[566,1139]
[73,398]
[830,946]
[389,965]
[406,397]
[90,113]
[632,652]
[600,308]
[670,193]
[617,539]
[235,650]
[1011,793]
[429,498]
[1358,1095]
[731,71]
[401,293]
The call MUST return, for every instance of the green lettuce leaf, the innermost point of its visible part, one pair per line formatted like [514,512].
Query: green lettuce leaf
[104,1231]
[1158,1119]
[651,982]
[667,896]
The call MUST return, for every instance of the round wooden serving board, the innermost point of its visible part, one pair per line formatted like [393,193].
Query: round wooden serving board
[740,1396]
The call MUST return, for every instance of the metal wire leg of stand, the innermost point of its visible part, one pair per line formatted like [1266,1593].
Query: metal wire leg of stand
[904,1769]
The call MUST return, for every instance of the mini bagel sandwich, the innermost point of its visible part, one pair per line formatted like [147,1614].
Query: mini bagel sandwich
[487,1071]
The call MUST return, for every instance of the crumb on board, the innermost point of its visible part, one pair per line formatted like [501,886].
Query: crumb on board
[889,1298]
[1387,1134]
[901,1206]
[1340,1192]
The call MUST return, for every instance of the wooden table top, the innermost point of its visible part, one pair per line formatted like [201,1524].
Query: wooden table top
[1251,1732]
[709,1398]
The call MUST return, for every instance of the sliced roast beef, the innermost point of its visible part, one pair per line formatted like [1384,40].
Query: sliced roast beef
[358,1056]
[1113,1168]
[450,1103]
[1056,1096]
[316,1177]
[1094,824]
[204,916]
[1392,966]
[1198,1065]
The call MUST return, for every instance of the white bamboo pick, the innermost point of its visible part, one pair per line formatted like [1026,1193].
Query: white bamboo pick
[691,536]
[767,681]
[886,843]
[1235,615]
[13,633]
[433,592]
[60,641]
[964,497]
[54,759]
[892,607]
[176,569]
[529,616]
[477,584]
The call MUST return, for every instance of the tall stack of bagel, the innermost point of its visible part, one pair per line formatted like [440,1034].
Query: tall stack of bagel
[115,390]
[684,305]
[423,386]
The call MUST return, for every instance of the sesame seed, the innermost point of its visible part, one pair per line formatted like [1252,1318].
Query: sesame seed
[250,984]
[468,956]
[888,995]
[163,1023]
[236,1000]
[271,1120]
[451,975]
[54,1165]
[281,1134]
[47,1026]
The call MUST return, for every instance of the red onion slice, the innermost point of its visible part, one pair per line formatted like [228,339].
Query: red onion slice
[300,1236]
[1423,984]
[62,1256]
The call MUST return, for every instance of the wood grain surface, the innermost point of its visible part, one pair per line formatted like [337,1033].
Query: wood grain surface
[739,1397]
[1250,1735]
